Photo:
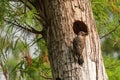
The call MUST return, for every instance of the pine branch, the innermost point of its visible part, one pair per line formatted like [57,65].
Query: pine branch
[32,30]
[109,32]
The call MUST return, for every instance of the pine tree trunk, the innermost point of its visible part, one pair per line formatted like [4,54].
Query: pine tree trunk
[60,18]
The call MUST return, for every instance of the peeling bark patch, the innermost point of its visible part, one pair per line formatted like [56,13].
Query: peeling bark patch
[80,26]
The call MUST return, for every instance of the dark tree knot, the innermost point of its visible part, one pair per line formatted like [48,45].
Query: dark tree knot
[80,62]
[58,78]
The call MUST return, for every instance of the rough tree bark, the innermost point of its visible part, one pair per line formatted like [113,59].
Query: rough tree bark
[59,17]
